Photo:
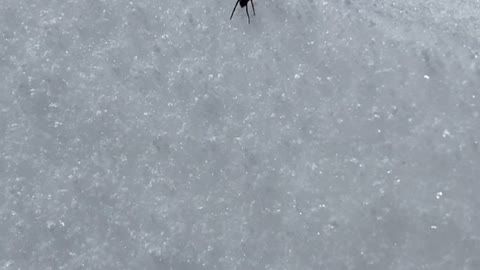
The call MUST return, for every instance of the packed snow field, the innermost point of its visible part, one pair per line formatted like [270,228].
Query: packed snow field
[162,135]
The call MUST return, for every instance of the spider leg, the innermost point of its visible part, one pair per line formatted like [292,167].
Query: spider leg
[248,14]
[253,6]
[234,9]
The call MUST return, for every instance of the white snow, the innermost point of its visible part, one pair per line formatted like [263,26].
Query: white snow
[162,135]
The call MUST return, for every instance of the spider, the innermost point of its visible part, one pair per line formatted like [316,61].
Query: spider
[243,3]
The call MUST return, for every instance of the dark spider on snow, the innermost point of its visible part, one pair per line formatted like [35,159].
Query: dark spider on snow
[243,3]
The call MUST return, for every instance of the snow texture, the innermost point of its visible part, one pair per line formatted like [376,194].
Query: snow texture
[336,135]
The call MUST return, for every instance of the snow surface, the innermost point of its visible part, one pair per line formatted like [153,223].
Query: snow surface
[161,135]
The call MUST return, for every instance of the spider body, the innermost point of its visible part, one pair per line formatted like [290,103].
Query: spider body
[243,3]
